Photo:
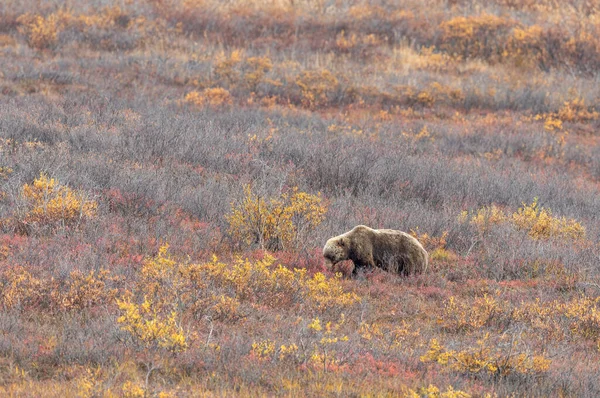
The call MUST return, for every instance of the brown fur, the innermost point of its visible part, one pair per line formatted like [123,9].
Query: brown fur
[391,250]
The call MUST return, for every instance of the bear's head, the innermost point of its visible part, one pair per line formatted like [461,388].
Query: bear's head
[336,250]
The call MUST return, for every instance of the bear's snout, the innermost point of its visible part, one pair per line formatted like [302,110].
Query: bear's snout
[328,264]
[331,255]
[330,259]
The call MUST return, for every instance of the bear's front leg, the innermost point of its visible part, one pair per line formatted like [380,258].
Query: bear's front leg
[362,263]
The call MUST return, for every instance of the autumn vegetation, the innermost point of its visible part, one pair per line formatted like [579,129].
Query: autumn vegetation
[171,169]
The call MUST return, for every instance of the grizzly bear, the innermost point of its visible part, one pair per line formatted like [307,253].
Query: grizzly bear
[391,250]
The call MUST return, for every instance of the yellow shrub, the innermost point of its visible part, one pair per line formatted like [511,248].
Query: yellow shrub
[446,93]
[552,124]
[434,392]
[368,332]
[149,328]
[288,352]
[132,390]
[349,42]
[328,337]
[367,10]
[580,314]
[160,277]
[115,15]
[540,224]
[328,293]
[434,93]
[263,349]
[236,71]
[435,245]
[262,282]
[544,317]
[42,32]
[488,216]
[218,288]
[461,315]
[485,359]
[425,98]
[4,248]
[403,335]
[7,41]
[175,285]
[325,338]
[254,280]
[194,98]
[441,254]
[5,172]
[50,203]
[275,223]
[584,314]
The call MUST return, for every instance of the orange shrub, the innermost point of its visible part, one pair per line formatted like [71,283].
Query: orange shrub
[213,97]
[83,291]
[363,45]
[435,246]
[19,288]
[226,71]
[79,291]
[255,69]
[482,36]
[576,111]
[41,32]
[526,46]
[317,87]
